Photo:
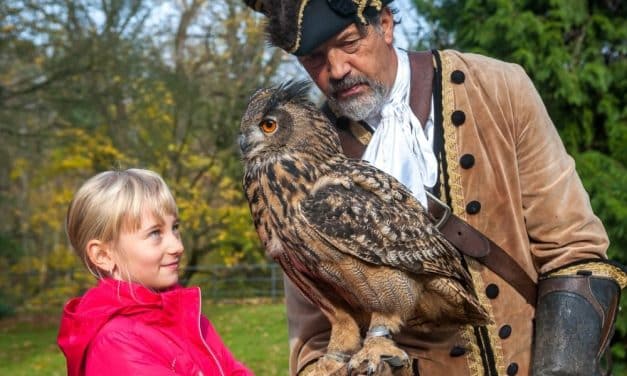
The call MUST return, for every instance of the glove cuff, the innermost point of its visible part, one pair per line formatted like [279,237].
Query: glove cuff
[596,267]
[575,315]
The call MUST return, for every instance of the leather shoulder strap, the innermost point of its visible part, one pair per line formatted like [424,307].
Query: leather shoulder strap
[471,242]
[421,68]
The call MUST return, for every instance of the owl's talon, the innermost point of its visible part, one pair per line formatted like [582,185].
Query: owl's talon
[379,356]
[393,361]
[331,364]
[370,370]
[337,356]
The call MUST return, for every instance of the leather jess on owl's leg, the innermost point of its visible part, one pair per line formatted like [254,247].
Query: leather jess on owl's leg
[379,352]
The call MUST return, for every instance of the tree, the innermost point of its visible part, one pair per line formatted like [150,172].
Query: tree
[47,49]
[88,86]
[219,59]
[575,52]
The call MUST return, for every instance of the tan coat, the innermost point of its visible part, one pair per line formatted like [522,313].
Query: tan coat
[532,204]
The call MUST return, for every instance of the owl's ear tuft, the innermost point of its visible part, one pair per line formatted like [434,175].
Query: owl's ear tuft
[296,92]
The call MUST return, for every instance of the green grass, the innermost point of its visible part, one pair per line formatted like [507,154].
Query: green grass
[255,334]
[29,347]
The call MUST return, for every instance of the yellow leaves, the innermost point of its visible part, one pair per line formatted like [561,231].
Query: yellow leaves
[167,99]
[44,191]
[63,258]
[20,166]
[154,104]
[231,258]
[197,161]
[229,189]
[44,221]
[47,209]
[75,162]
[27,265]
[213,213]
[195,215]
[85,151]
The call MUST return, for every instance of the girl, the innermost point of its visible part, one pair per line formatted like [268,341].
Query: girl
[137,321]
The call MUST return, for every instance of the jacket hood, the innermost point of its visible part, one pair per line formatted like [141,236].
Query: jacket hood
[84,316]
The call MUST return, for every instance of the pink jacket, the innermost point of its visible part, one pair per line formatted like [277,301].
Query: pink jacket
[112,330]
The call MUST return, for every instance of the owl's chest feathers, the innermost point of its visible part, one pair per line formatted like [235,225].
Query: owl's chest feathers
[277,191]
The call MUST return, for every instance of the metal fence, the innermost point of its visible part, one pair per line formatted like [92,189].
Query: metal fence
[33,291]
[238,282]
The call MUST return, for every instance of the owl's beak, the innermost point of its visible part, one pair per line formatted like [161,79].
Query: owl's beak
[243,145]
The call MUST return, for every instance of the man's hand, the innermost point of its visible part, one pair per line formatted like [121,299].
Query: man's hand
[391,366]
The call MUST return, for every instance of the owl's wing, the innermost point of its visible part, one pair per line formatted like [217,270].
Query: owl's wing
[368,214]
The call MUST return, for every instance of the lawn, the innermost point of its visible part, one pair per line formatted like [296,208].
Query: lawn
[255,333]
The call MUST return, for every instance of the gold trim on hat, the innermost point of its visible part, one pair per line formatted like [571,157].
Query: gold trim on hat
[299,24]
[363,4]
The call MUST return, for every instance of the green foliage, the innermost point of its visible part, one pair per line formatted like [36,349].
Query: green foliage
[6,310]
[605,180]
[575,52]
[90,86]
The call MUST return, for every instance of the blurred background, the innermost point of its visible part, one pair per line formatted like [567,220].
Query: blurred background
[90,85]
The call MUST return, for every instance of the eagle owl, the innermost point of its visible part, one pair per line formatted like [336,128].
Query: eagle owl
[352,238]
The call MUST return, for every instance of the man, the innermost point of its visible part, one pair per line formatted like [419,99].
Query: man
[474,132]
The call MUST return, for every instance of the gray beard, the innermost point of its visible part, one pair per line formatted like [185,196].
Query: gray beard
[361,106]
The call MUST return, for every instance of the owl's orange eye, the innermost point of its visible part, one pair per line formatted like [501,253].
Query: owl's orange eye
[268,125]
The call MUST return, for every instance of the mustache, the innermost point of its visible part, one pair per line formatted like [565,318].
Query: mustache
[348,82]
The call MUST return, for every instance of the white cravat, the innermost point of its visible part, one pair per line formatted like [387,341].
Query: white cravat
[399,145]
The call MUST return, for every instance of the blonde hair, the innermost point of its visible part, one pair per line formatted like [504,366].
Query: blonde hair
[112,202]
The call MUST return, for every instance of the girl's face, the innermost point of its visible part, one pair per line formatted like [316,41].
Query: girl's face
[151,254]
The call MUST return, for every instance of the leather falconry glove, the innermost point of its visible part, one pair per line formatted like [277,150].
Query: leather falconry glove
[575,316]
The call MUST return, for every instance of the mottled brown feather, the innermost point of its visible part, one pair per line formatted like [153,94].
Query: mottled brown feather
[351,237]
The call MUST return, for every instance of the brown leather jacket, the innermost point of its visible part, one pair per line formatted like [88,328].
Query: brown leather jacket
[504,169]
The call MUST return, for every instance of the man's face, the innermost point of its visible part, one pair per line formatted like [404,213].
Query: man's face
[355,70]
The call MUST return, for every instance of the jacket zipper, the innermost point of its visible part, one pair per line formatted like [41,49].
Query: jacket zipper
[215,358]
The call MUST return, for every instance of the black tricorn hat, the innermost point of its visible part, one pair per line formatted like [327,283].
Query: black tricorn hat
[300,26]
